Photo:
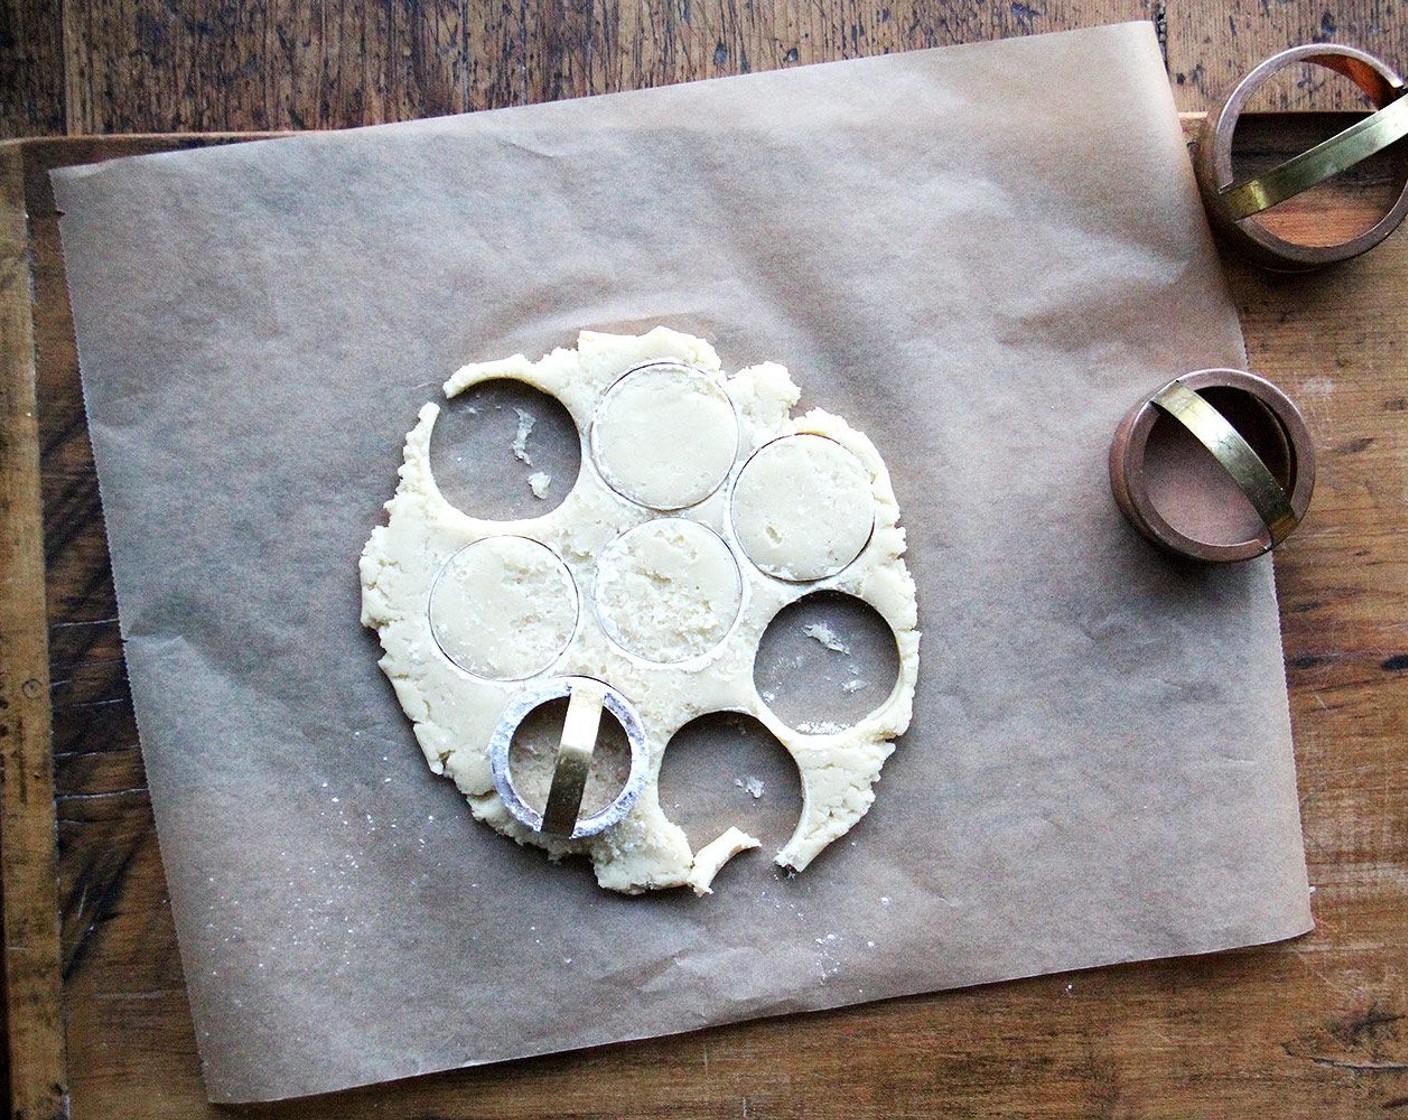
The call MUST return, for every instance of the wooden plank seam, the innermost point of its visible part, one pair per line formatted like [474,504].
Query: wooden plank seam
[28,854]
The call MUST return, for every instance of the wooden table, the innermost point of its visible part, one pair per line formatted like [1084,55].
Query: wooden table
[95,998]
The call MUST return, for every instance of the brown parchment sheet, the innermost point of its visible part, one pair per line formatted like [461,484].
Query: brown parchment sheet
[981,256]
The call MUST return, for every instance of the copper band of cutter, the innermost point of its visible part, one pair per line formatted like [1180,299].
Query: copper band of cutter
[1210,428]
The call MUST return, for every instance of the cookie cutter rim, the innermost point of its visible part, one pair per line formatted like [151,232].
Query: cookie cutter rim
[1128,448]
[516,711]
[1233,206]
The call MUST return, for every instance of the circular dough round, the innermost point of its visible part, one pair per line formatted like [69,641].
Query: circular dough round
[665,435]
[668,590]
[503,607]
[803,508]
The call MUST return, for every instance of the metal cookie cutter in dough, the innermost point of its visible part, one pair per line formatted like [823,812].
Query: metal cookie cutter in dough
[1234,205]
[562,814]
[1217,465]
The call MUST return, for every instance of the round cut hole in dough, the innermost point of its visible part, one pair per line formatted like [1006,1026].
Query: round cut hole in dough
[505,450]
[503,608]
[665,435]
[802,508]
[826,662]
[726,768]
[668,590]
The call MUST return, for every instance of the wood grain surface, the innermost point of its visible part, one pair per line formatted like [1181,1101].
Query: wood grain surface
[1314,1028]
[1212,43]
[120,66]
[32,991]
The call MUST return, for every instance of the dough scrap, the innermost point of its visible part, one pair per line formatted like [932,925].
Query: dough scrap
[689,654]
[710,859]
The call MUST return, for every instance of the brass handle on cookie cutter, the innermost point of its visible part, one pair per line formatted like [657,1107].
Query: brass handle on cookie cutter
[1228,446]
[1233,206]
[574,758]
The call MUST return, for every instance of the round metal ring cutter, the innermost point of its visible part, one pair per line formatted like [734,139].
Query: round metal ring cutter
[1241,423]
[1233,205]
[585,700]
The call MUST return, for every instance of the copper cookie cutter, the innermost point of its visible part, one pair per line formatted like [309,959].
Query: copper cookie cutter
[1217,465]
[1233,205]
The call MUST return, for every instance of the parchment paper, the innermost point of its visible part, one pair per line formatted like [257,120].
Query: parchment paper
[979,255]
